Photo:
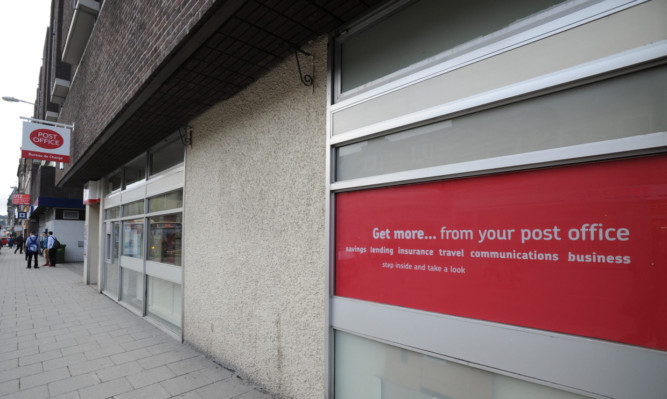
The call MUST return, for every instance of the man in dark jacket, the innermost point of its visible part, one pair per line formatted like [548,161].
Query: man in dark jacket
[19,243]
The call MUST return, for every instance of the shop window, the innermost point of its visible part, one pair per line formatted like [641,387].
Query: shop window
[133,238]
[165,239]
[166,157]
[133,208]
[163,202]
[164,302]
[619,107]
[370,369]
[438,31]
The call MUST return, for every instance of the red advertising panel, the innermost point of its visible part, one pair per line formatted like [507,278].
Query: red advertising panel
[578,249]
[21,199]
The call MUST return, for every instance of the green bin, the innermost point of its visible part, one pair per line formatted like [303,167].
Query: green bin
[60,254]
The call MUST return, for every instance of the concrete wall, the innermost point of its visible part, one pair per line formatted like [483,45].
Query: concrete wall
[254,268]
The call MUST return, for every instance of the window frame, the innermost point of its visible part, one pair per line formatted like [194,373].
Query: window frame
[396,326]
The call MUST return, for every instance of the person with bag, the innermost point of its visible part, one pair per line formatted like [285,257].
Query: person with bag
[52,244]
[32,248]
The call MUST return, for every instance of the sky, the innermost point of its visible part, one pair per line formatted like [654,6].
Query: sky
[23,26]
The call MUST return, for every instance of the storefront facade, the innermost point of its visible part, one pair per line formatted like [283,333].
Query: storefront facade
[497,201]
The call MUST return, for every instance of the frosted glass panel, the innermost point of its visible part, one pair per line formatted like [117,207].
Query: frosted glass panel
[370,369]
[424,29]
[164,302]
[626,106]
[132,288]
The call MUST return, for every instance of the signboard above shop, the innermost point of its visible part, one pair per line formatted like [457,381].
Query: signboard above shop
[46,142]
[21,199]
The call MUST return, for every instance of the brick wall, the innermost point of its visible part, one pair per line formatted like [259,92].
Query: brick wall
[129,42]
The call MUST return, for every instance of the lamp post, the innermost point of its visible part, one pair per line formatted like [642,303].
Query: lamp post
[15,100]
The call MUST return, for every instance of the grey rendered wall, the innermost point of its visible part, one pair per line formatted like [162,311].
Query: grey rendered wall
[254,269]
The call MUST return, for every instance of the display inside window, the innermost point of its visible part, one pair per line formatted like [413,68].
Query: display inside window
[165,239]
[133,238]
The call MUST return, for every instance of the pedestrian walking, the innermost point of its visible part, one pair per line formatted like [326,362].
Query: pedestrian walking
[53,247]
[19,243]
[32,249]
[45,249]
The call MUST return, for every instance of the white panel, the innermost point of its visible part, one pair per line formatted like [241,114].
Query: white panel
[162,184]
[112,201]
[165,272]
[131,263]
[133,195]
[594,366]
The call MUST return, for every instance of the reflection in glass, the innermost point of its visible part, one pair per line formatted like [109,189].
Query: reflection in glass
[164,302]
[133,236]
[164,239]
[370,369]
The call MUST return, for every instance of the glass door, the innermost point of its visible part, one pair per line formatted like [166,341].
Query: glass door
[111,259]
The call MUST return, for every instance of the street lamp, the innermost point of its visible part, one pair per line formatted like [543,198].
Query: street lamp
[15,100]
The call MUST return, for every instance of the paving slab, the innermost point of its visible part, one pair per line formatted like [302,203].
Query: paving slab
[60,338]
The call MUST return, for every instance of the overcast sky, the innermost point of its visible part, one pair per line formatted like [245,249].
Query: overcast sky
[23,26]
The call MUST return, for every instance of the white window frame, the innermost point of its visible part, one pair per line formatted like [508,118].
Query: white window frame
[551,22]
[572,363]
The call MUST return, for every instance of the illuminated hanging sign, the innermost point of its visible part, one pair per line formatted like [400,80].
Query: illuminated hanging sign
[45,142]
[579,249]
[20,199]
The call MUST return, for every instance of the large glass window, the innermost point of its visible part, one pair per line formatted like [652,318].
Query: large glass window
[133,238]
[165,157]
[370,369]
[620,107]
[424,29]
[164,302]
[166,201]
[164,239]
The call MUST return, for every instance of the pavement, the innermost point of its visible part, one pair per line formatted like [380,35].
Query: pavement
[60,338]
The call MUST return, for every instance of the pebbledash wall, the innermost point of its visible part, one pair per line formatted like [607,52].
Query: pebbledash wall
[254,295]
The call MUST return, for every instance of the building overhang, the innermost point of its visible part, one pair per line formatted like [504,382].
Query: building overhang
[234,45]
